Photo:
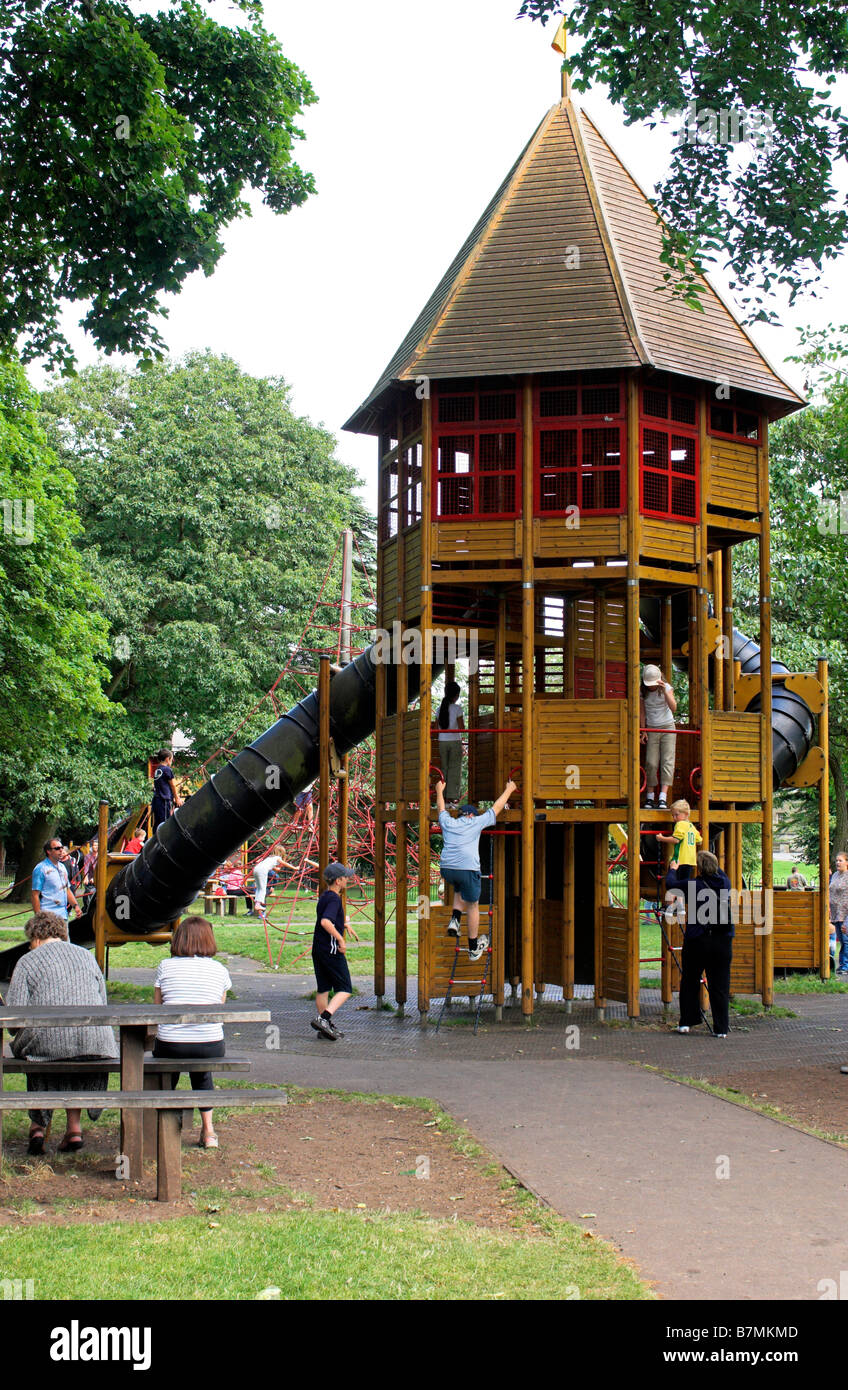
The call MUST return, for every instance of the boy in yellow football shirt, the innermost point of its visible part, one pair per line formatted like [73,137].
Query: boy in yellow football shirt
[686,837]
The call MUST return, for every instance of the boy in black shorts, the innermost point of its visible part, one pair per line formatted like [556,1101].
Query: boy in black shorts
[328,952]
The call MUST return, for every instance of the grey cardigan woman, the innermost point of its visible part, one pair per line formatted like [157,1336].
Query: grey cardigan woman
[55,972]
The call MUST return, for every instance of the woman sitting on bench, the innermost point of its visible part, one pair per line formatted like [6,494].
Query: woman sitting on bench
[55,972]
[191,976]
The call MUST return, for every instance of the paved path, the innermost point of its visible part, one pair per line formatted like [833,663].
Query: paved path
[590,1132]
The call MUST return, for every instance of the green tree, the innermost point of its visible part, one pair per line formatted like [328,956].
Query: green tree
[809,554]
[52,636]
[128,142]
[210,513]
[769,208]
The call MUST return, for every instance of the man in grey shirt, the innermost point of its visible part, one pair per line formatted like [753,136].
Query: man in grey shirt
[55,972]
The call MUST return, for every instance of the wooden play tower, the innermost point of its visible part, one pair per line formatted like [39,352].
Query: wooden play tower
[567,456]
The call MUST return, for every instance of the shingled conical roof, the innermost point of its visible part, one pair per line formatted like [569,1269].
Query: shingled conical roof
[563,272]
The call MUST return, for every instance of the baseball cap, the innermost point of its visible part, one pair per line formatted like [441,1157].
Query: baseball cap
[468,810]
[334,871]
[651,676]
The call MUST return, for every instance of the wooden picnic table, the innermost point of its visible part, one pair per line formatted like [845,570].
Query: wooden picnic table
[133,1022]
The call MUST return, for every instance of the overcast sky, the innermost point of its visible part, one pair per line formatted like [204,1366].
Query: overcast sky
[422,110]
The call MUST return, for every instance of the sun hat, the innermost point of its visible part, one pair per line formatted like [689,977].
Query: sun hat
[651,676]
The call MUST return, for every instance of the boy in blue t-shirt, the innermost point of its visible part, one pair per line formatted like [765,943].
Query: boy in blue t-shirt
[460,862]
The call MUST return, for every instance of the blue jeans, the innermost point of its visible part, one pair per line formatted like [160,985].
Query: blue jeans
[842,939]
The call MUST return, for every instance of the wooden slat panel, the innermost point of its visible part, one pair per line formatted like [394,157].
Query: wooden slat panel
[443,960]
[736,756]
[613,928]
[549,916]
[410,790]
[733,473]
[462,541]
[797,940]
[412,575]
[586,734]
[387,780]
[668,540]
[387,583]
[597,535]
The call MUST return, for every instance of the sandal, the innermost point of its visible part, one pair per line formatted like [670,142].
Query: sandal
[210,1143]
[71,1143]
[36,1142]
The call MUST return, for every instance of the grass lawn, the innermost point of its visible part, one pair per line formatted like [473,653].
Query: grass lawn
[221,1251]
[372,1256]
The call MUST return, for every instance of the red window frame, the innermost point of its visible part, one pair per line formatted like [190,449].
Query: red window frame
[581,423]
[736,409]
[679,432]
[475,430]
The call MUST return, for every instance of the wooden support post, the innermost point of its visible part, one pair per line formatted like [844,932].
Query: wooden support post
[402,844]
[702,654]
[600,901]
[718,610]
[150,1121]
[169,1156]
[600,636]
[766,713]
[345,650]
[100,880]
[425,707]
[132,1079]
[570,647]
[824,823]
[528,613]
[666,639]
[727,626]
[539,891]
[568,925]
[633,746]
[324,756]
[380,843]
[498,888]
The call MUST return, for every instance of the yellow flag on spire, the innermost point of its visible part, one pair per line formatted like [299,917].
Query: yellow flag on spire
[561,38]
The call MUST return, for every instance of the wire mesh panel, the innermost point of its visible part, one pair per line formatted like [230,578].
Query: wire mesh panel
[579,464]
[669,453]
[477,470]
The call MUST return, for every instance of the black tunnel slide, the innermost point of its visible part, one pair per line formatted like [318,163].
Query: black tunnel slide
[253,787]
[792,722]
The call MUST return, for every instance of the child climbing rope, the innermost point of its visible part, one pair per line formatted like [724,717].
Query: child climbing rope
[460,863]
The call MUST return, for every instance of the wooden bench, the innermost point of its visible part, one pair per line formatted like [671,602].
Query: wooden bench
[168,1107]
[157,1074]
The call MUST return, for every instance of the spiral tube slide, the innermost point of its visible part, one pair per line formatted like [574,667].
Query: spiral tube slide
[236,802]
[792,722]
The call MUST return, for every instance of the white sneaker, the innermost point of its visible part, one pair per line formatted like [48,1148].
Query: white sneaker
[682,1028]
[477,951]
[483,942]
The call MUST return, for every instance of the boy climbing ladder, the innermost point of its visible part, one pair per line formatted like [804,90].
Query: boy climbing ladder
[460,862]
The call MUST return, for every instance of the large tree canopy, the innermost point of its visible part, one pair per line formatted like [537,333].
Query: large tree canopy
[127,143]
[210,512]
[53,639]
[809,557]
[768,208]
